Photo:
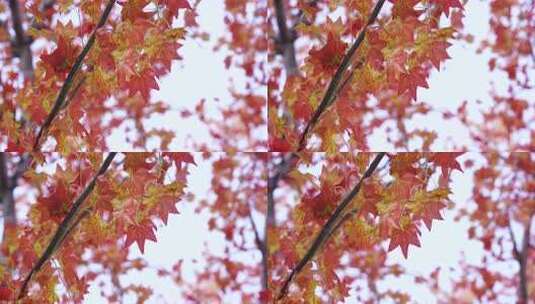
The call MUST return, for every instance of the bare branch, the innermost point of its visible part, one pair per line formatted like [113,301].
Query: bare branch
[523,291]
[328,227]
[334,85]
[60,100]
[67,225]
[516,253]
[261,245]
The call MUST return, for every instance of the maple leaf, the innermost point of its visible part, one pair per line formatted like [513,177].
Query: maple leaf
[404,237]
[430,212]
[175,5]
[405,9]
[56,202]
[331,54]
[181,157]
[6,293]
[139,233]
[143,83]
[277,144]
[62,58]
[438,53]
[447,160]
[166,206]
[135,161]
[133,10]
[445,5]
[409,82]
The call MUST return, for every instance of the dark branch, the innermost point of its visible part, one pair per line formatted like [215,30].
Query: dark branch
[285,39]
[6,193]
[523,290]
[516,253]
[21,43]
[521,257]
[67,225]
[60,100]
[334,85]
[280,171]
[261,245]
[328,227]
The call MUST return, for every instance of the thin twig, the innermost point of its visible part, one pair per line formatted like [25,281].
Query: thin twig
[334,84]
[329,225]
[523,290]
[58,104]
[261,245]
[66,225]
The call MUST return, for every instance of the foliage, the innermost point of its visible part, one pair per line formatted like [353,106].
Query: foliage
[308,215]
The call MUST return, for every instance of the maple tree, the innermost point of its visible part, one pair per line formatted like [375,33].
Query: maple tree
[299,221]
[79,204]
[346,72]
[337,67]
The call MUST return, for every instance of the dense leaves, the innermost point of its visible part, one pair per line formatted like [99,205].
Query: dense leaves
[127,199]
[291,225]
[100,64]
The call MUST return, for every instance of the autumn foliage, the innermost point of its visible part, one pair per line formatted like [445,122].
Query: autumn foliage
[324,174]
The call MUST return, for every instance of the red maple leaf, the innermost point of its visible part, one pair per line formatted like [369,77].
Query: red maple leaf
[445,5]
[438,53]
[166,206]
[181,157]
[405,9]
[62,58]
[430,212]
[175,5]
[409,82]
[56,203]
[143,83]
[6,293]
[331,54]
[447,160]
[403,238]
[139,233]
[136,161]
[277,144]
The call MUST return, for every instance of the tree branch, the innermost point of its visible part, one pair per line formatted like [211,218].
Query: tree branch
[60,100]
[333,87]
[285,39]
[21,43]
[67,225]
[282,169]
[328,227]
[6,193]
[261,245]
[523,291]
